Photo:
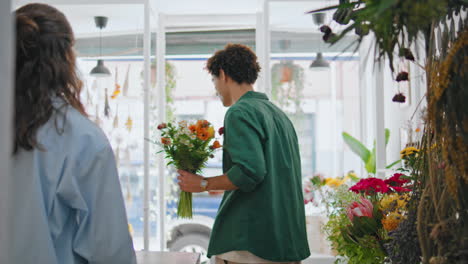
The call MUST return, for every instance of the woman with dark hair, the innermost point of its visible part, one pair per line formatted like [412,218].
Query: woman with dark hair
[68,206]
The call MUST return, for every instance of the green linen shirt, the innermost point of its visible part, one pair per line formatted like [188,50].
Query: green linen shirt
[265,216]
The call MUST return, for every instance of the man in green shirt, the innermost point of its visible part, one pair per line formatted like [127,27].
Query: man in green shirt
[261,218]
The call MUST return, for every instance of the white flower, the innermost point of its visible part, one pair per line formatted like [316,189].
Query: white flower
[193,136]
[183,123]
[186,131]
[190,145]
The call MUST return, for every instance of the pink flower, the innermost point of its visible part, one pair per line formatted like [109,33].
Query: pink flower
[360,209]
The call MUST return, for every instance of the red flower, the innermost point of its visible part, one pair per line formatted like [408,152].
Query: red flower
[162,126]
[221,130]
[396,181]
[400,189]
[370,186]
[165,141]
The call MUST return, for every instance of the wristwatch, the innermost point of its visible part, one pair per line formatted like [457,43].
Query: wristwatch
[204,184]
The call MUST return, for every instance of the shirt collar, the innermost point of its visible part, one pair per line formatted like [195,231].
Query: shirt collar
[253,94]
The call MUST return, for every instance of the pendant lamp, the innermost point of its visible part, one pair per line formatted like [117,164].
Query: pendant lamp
[319,63]
[100,70]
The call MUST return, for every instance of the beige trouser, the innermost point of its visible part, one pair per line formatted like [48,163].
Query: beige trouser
[222,261]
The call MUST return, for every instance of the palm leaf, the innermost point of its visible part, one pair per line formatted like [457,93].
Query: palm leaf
[356,146]
[387,136]
[370,163]
[393,164]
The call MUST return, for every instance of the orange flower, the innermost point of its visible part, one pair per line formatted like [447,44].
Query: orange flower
[216,145]
[193,128]
[392,220]
[166,141]
[203,135]
[203,124]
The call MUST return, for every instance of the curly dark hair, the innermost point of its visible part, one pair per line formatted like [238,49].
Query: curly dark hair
[45,69]
[237,61]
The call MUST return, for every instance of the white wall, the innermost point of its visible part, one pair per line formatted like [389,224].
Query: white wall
[396,115]
[6,71]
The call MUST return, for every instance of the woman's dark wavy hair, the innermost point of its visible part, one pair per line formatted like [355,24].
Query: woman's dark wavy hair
[45,69]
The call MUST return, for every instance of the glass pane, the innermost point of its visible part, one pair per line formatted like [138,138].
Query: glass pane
[321,101]
[191,96]
[317,85]
[115,103]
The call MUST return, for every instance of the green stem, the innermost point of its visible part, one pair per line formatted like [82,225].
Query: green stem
[184,208]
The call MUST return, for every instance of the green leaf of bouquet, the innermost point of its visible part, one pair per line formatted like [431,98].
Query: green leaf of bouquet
[364,225]
[316,181]
[347,236]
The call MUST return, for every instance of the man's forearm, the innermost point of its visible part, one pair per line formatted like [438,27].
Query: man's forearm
[220,183]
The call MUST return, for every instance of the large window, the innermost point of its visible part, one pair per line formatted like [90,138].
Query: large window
[321,104]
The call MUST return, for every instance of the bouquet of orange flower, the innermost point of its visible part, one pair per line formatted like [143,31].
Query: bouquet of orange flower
[188,146]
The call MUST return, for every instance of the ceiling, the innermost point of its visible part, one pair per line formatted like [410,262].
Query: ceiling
[193,26]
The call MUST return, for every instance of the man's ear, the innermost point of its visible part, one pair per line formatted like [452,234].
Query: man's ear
[222,75]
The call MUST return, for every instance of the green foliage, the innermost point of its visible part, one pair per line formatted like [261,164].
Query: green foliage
[396,24]
[367,250]
[171,82]
[317,181]
[357,147]
[290,92]
[367,156]
[187,150]
[170,86]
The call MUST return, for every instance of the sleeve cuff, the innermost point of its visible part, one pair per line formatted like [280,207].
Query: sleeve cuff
[240,179]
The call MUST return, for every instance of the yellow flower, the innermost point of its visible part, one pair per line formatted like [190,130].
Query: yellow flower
[333,182]
[394,202]
[392,220]
[408,151]
[210,132]
[388,202]
[351,174]
[129,124]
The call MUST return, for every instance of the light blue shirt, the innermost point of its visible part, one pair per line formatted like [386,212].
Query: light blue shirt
[67,205]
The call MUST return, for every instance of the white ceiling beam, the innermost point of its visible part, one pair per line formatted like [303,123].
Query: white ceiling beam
[18,3]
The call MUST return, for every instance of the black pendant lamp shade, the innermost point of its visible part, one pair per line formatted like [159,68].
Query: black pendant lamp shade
[319,62]
[100,70]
